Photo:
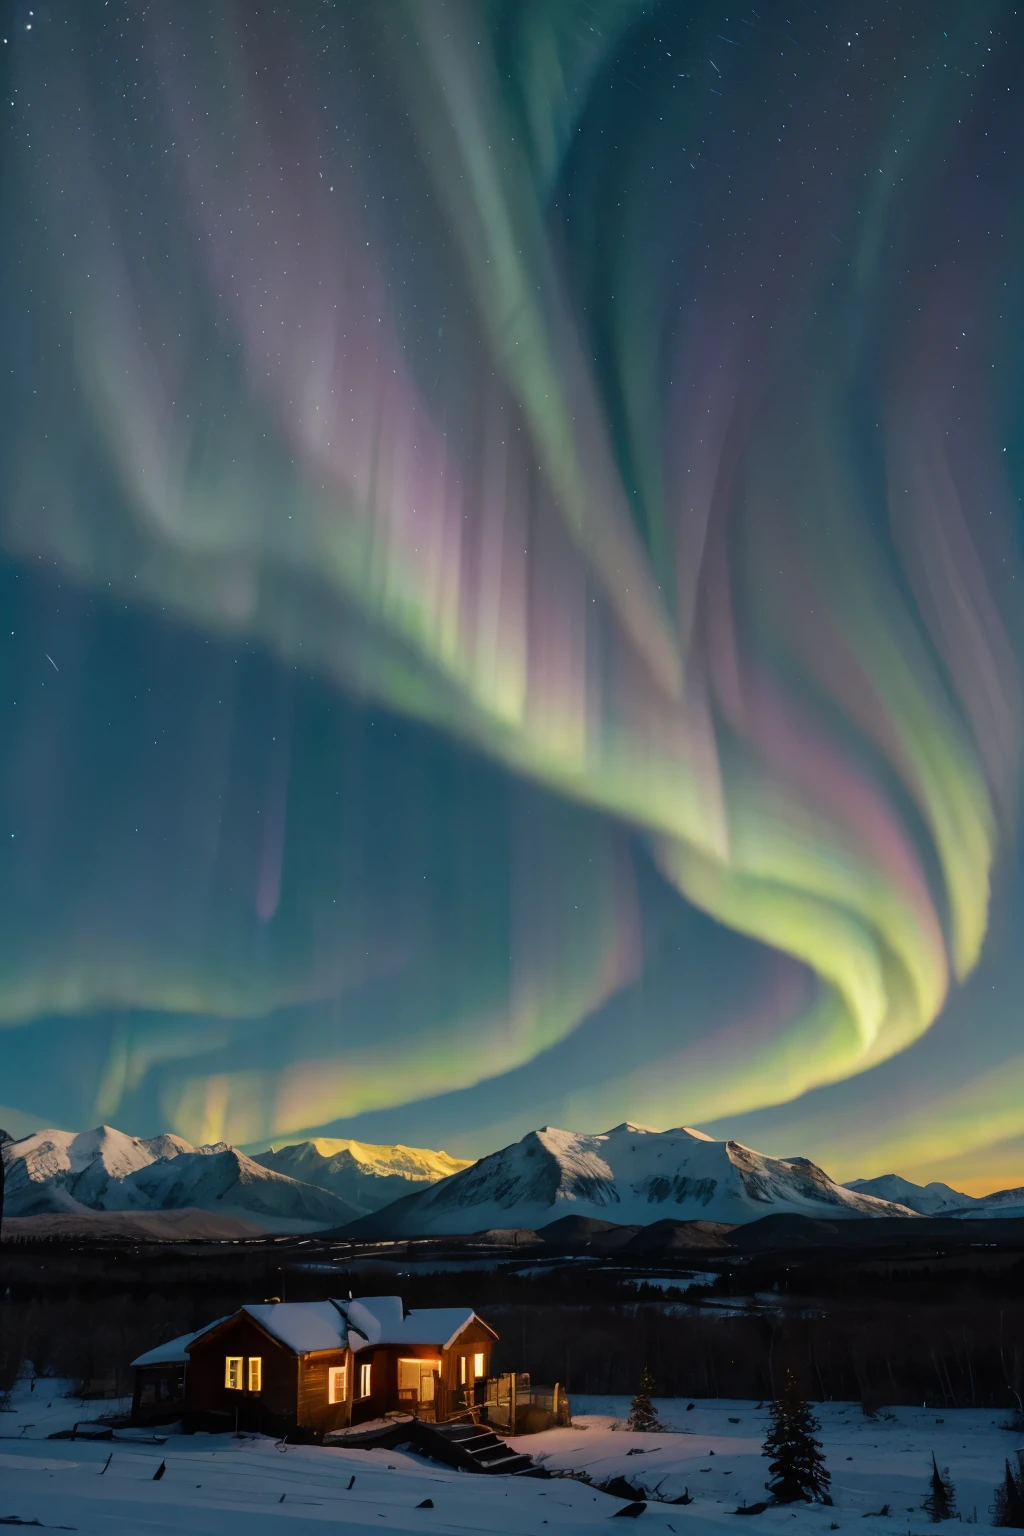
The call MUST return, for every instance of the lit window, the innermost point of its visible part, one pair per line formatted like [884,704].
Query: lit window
[255,1373]
[463,1366]
[416,1379]
[364,1380]
[337,1384]
[478,1366]
[233,1372]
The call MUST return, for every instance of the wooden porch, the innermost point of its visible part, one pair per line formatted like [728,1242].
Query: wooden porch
[509,1403]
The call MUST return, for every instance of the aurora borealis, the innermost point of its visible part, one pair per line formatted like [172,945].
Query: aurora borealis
[510,531]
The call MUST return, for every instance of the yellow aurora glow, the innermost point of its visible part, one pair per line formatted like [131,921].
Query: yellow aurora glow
[685,536]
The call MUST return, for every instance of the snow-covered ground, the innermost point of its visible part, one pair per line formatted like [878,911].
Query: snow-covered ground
[42,1405]
[219,1486]
[714,1451]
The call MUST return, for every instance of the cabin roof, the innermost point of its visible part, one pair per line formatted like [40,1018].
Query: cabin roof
[302,1326]
[383,1320]
[308,1327]
[175,1351]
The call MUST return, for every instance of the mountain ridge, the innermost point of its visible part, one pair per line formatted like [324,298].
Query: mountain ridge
[366,1175]
[629,1174]
[632,1174]
[56,1172]
[938,1199]
[932,1199]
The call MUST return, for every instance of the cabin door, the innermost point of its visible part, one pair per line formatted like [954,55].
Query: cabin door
[417,1380]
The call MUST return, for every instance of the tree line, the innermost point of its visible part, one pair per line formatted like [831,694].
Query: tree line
[962,1356]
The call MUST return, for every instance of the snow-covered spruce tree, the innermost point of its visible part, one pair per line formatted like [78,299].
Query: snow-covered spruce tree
[797,1468]
[1008,1504]
[940,1500]
[642,1415]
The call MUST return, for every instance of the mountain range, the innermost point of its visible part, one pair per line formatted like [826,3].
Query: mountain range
[366,1177]
[940,1199]
[629,1175]
[60,1172]
[926,1199]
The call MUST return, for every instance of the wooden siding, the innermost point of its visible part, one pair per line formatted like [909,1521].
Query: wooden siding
[273,1408]
[293,1397]
[474,1340]
[383,1362]
[314,1411]
[383,1383]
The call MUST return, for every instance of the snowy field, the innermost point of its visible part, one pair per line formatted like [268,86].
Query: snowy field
[219,1486]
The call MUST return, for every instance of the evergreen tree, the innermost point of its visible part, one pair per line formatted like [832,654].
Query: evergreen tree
[798,1468]
[940,1500]
[642,1415]
[1008,1505]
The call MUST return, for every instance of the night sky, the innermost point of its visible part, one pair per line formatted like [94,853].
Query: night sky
[510,573]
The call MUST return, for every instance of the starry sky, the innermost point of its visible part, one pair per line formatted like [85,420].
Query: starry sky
[510,573]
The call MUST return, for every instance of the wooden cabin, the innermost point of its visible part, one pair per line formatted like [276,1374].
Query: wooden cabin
[306,1368]
[159,1396]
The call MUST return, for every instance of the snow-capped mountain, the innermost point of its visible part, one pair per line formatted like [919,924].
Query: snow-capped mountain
[365,1176]
[1002,1203]
[627,1175]
[940,1199]
[105,1170]
[66,1171]
[927,1199]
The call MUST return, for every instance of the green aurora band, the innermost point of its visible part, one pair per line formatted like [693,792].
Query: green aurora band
[622,391]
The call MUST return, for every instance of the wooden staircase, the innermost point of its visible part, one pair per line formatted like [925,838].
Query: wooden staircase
[473,1447]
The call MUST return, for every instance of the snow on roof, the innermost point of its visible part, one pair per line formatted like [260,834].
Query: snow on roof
[303,1326]
[376,1318]
[438,1325]
[308,1326]
[383,1320]
[175,1351]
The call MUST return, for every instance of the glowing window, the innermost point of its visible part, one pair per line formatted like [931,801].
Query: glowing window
[478,1366]
[255,1373]
[233,1372]
[416,1379]
[364,1380]
[337,1384]
[463,1368]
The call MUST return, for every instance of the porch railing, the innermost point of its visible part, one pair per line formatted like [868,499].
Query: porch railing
[509,1402]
